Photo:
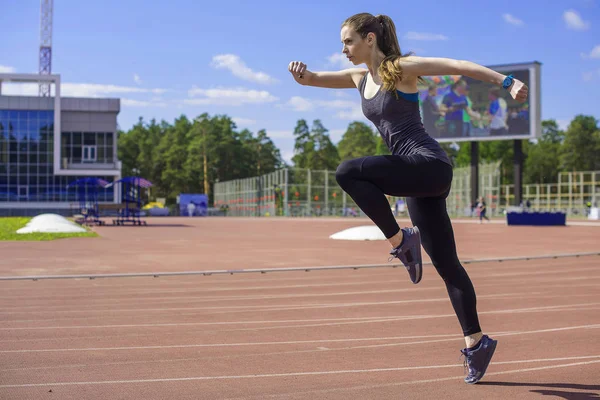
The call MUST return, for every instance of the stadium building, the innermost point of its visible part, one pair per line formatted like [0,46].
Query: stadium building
[46,143]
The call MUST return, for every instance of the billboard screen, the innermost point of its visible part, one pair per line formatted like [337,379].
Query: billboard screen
[458,108]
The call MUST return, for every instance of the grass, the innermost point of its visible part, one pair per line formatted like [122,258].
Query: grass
[10,225]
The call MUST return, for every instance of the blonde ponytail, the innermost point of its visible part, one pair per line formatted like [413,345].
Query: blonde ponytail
[389,70]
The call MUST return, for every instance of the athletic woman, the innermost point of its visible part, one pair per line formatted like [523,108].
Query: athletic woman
[418,168]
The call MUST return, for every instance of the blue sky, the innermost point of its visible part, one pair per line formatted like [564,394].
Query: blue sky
[230,57]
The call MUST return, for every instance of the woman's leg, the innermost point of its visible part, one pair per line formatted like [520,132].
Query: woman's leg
[437,237]
[368,179]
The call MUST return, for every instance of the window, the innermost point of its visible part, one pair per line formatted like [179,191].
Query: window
[23,191]
[89,153]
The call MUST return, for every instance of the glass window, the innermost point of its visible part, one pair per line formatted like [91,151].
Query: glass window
[77,139]
[89,138]
[89,153]
[33,158]
[76,155]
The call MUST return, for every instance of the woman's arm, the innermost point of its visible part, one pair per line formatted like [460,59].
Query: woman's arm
[428,66]
[344,79]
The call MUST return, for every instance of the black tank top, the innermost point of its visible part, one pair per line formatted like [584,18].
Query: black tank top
[399,123]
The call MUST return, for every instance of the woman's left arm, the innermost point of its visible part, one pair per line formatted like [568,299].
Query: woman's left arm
[431,66]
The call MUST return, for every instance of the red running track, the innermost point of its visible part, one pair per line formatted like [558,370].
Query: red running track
[365,334]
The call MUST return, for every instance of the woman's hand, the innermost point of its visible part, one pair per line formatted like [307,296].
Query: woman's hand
[519,91]
[299,72]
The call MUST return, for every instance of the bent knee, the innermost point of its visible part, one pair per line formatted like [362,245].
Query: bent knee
[346,171]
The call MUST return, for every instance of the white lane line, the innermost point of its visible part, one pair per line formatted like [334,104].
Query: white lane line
[309,373]
[567,328]
[277,307]
[566,307]
[387,385]
[160,300]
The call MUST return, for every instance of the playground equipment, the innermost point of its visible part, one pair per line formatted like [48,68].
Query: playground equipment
[130,208]
[87,196]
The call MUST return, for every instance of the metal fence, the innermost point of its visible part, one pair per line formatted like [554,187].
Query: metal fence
[299,192]
[574,193]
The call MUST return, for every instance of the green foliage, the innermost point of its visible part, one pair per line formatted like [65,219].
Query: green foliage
[581,148]
[358,141]
[543,158]
[172,155]
[313,148]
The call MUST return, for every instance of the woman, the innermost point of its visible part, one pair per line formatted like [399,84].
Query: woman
[418,168]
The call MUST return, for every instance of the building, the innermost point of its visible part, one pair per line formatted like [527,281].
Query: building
[48,142]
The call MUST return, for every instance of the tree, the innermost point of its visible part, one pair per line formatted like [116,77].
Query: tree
[303,145]
[543,158]
[359,140]
[581,145]
[325,154]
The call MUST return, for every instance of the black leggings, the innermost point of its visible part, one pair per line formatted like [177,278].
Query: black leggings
[426,184]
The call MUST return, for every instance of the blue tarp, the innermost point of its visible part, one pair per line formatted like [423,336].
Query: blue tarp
[200,202]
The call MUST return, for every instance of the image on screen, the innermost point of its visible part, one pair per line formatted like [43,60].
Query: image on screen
[455,107]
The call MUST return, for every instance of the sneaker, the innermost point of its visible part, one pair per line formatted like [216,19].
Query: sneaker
[478,359]
[409,252]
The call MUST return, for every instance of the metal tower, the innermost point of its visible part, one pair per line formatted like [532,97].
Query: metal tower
[46,44]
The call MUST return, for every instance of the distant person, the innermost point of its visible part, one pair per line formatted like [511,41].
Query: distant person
[469,115]
[498,113]
[191,207]
[482,210]
[417,168]
[455,103]
[431,113]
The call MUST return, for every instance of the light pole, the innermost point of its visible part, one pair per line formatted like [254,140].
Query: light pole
[200,120]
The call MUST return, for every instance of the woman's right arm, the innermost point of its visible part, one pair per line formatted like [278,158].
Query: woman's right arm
[344,79]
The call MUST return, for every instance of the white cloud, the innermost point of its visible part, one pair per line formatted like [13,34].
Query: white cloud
[298,103]
[229,96]
[563,124]
[238,68]
[342,94]
[137,79]
[339,60]
[424,36]
[336,134]
[96,90]
[594,53]
[142,103]
[588,76]
[20,89]
[354,114]
[574,21]
[287,156]
[512,20]
[4,69]
[346,109]
[243,121]
[90,90]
